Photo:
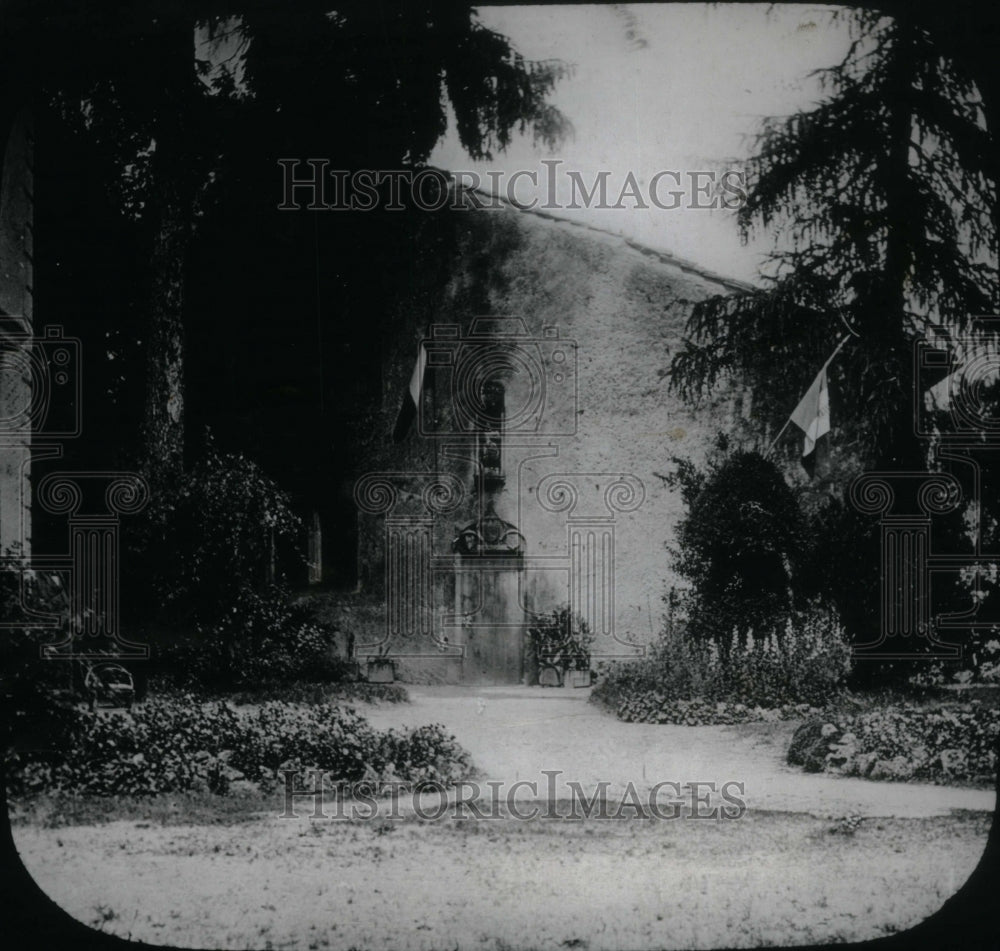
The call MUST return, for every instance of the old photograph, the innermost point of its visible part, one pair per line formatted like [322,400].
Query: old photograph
[499,478]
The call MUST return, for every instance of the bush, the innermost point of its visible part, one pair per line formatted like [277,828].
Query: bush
[36,694]
[424,754]
[200,559]
[840,551]
[204,542]
[980,665]
[808,669]
[654,707]
[809,746]
[181,744]
[807,664]
[264,638]
[942,743]
[306,692]
[735,545]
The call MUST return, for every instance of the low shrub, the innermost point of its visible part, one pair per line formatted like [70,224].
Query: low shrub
[265,638]
[423,754]
[209,558]
[810,744]
[941,743]
[276,735]
[804,667]
[653,707]
[169,745]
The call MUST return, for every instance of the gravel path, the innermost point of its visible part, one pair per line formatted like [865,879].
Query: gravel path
[513,733]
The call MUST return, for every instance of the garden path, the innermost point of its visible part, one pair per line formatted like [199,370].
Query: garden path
[513,733]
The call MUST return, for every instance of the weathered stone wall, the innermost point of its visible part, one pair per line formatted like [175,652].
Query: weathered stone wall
[591,427]
[15,327]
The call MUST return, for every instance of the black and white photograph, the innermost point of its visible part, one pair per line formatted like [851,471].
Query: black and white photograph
[499,477]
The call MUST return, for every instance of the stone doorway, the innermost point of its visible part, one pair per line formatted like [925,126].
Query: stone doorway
[489,573]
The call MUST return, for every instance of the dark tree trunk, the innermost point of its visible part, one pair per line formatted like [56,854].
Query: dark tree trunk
[890,304]
[165,361]
[967,31]
[175,181]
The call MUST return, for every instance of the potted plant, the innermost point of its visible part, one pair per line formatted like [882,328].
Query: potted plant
[549,675]
[381,669]
[579,676]
[560,646]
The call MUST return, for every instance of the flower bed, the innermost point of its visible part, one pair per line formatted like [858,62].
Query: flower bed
[181,744]
[684,680]
[653,707]
[943,743]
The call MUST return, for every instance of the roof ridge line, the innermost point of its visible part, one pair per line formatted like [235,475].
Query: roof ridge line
[665,257]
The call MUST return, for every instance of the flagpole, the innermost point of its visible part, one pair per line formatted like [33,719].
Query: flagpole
[829,360]
[843,340]
[781,432]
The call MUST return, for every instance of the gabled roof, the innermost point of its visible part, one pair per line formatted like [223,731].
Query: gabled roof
[659,255]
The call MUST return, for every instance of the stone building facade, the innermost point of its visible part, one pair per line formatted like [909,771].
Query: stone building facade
[532,475]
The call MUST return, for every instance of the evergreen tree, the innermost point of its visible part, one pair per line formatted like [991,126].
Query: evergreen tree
[881,199]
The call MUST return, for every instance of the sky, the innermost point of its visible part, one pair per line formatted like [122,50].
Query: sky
[661,87]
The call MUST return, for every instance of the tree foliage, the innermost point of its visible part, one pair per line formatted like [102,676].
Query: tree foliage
[881,200]
[190,103]
[737,545]
[363,84]
[200,549]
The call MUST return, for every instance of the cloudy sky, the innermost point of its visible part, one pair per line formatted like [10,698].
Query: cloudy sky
[678,87]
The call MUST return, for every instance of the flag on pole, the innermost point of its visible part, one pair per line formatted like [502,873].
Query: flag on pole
[411,399]
[812,416]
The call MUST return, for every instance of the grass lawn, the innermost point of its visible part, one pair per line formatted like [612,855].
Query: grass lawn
[209,871]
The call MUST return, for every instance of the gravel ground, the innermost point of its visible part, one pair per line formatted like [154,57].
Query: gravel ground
[784,873]
[515,732]
[770,878]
